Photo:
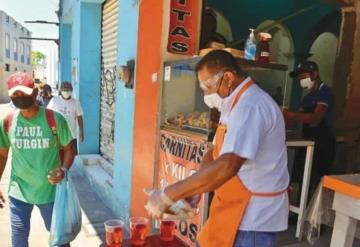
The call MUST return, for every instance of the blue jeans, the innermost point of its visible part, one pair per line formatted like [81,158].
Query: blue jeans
[20,214]
[255,239]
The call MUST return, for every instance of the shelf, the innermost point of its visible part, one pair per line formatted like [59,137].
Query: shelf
[300,143]
[190,63]
[187,133]
[255,64]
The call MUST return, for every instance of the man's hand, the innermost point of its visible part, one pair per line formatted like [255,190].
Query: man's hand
[193,200]
[81,128]
[2,200]
[81,136]
[288,116]
[55,176]
[158,203]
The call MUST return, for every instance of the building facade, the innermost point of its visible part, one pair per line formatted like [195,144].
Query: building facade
[15,53]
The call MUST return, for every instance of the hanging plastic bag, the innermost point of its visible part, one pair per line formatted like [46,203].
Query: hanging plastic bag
[66,216]
[319,212]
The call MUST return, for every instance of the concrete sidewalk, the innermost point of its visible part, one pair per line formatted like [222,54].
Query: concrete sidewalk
[94,213]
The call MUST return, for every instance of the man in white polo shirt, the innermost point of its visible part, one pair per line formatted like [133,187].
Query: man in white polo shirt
[71,109]
[247,167]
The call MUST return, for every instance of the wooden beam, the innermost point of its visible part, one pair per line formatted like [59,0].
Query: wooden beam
[341,3]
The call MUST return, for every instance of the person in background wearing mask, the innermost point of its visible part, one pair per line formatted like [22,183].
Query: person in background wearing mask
[247,166]
[71,110]
[318,118]
[45,96]
[35,152]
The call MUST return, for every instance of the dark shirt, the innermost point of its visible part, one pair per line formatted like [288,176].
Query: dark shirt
[43,101]
[326,128]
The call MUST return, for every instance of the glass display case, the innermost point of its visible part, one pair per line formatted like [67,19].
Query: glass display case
[183,108]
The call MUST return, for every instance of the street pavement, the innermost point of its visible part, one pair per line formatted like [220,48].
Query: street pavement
[94,214]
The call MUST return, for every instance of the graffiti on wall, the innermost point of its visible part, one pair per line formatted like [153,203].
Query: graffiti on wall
[108,94]
[108,84]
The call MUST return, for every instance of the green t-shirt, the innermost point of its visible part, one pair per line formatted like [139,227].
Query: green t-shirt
[35,151]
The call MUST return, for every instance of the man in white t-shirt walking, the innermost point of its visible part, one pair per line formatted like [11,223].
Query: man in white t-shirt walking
[247,167]
[71,109]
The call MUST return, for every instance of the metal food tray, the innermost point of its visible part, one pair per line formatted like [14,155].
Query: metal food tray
[196,129]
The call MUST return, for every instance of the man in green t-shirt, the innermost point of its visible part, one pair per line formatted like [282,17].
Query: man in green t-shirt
[35,148]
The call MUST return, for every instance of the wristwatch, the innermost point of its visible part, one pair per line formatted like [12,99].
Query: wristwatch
[64,169]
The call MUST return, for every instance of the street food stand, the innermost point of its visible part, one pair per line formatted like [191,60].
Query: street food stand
[187,128]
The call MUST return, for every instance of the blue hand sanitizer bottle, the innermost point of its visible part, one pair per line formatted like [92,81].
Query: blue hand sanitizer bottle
[250,46]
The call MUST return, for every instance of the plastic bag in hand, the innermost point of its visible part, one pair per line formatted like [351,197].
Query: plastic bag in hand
[181,209]
[66,217]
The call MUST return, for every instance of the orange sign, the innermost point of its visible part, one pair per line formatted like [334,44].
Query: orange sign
[184,27]
[179,158]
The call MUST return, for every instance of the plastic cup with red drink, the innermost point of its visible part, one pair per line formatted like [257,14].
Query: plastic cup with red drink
[114,231]
[138,230]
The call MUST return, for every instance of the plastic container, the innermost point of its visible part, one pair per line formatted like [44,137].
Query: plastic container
[167,230]
[264,48]
[138,230]
[114,232]
[250,46]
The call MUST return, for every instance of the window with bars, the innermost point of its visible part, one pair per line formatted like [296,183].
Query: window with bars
[22,57]
[7,45]
[7,41]
[28,53]
[15,49]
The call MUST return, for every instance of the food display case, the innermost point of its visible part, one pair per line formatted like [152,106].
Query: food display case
[183,109]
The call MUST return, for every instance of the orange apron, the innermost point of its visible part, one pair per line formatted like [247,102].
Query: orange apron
[230,200]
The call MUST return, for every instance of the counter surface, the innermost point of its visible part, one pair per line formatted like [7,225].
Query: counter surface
[345,184]
[154,241]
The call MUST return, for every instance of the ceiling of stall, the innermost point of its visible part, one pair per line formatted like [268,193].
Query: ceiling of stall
[341,2]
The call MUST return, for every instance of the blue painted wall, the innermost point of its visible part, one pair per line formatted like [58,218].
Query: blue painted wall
[304,28]
[65,52]
[124,122]
[87,26]
[89,74]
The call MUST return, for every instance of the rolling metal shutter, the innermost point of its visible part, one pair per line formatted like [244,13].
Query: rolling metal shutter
[108,78]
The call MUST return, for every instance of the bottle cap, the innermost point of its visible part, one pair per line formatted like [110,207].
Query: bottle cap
[265,36]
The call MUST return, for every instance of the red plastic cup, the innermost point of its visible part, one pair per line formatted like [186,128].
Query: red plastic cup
[167,230]
[138,230]
[114,232]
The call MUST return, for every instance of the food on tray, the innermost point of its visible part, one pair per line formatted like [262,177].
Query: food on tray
[193,119]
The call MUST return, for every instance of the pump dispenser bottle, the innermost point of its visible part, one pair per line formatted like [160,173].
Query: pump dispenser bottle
[250,46]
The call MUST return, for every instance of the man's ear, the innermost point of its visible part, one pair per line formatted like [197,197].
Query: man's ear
[229,77]
[314,75]
[35,92]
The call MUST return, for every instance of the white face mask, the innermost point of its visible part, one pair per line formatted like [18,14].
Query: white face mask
[66,94]
[213,100]
[307,83]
